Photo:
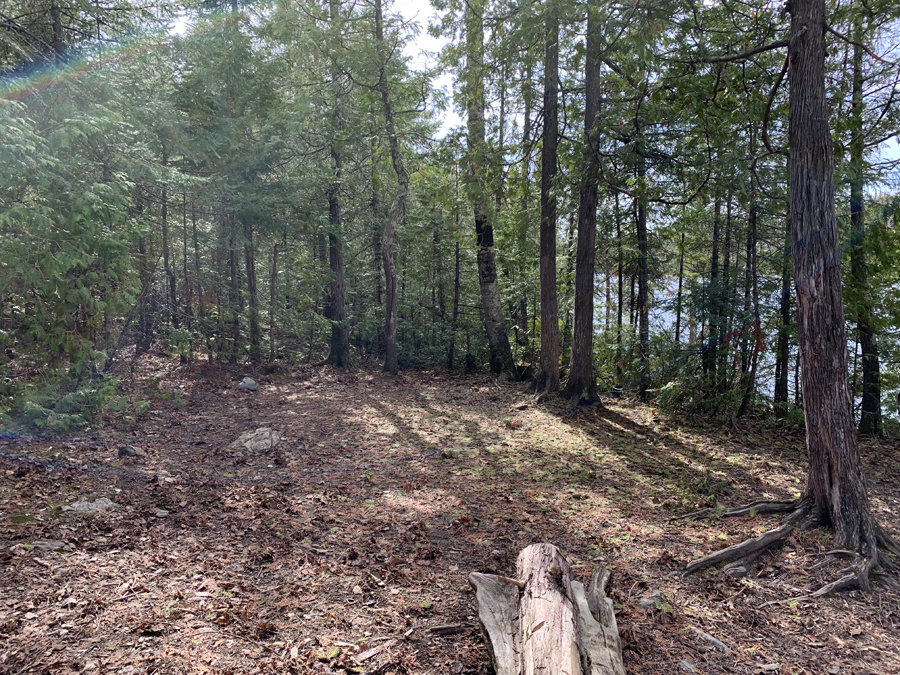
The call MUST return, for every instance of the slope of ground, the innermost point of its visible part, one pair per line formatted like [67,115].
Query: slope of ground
[346,548]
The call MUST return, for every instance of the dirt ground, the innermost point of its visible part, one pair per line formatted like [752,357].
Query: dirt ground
[346,549]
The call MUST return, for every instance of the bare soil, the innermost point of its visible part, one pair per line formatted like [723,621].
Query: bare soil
[346,549]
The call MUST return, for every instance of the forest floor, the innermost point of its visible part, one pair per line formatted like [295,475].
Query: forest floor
[346,549]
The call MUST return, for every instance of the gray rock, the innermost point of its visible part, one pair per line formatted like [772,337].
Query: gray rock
[767,667]
[718,644]
[131,451]
[51,546]
[95,506]
[249,384]
[161,513]
[260,440]
[687,666]
[652,601]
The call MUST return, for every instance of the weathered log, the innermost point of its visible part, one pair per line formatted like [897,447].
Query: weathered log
[545,621]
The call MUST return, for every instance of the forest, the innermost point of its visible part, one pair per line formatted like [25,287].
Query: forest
[623,267]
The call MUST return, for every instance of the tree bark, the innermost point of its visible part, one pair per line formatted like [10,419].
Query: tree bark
[580,386]
[253,296]
[870,417]
[643,298]
[547,378]
[339,353]
[501,353]
[835,486]
[784,345]
[273,297]
[678,296]
[398,208]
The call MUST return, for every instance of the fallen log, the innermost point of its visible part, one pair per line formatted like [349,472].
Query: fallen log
[546,622]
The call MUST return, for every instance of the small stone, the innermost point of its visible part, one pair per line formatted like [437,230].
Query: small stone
[260,440]
[249,384]
[51,545]
[91,507]
[687,666]
[646,604]
[834,670]
[161,513]
[736,571]
[767,667]
[131,451]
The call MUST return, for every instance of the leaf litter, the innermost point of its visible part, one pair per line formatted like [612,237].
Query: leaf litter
[345,546]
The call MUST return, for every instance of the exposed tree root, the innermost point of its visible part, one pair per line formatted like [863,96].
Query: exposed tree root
[762,506]
[871,556]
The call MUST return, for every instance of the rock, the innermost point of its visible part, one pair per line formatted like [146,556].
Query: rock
[650,602]
[95,506]
[260,440]
[687,666]
[131,451]
[767,667]
[718,644]
[248,383]
[51,546]
[161,513]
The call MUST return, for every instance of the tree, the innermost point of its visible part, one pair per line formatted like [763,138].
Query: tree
[501,354]
[580,385]
[835,493]
[547,379]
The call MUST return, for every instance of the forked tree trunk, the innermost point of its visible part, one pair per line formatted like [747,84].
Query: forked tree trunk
[580,386]
[501,353]
[546,622]
[547,378]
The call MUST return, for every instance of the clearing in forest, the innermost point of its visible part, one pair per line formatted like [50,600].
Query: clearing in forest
[346,548]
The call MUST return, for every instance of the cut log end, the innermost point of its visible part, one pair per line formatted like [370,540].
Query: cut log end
[553,623]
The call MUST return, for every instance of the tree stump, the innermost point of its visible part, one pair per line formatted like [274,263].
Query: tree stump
[546,622]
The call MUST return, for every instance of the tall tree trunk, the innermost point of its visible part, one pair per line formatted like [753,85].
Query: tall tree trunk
[234,295]
[756,341]
[870,417]
[784,346]
[398,208]
[167,266]
[339,353]
[273,297]
[197,281]
[643,299]
[56,25]
[253,295]
[580,386]
[501,354]
[709,354]
[678,296]
[451,348]
[836,489]
[547,378]
[620,306]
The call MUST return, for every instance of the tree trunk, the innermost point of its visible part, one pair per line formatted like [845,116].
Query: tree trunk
[501,353]
[709,354]
[253,295]
[580,386]
[643,299]
[339,351]
[620,306]
[273,296]
[836,487]
[233,296]
[398,208]
[678,296]
[546,622]
[757,342]
[451,348]
[169,269]
[870,417]
[547,378]
[784,345]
